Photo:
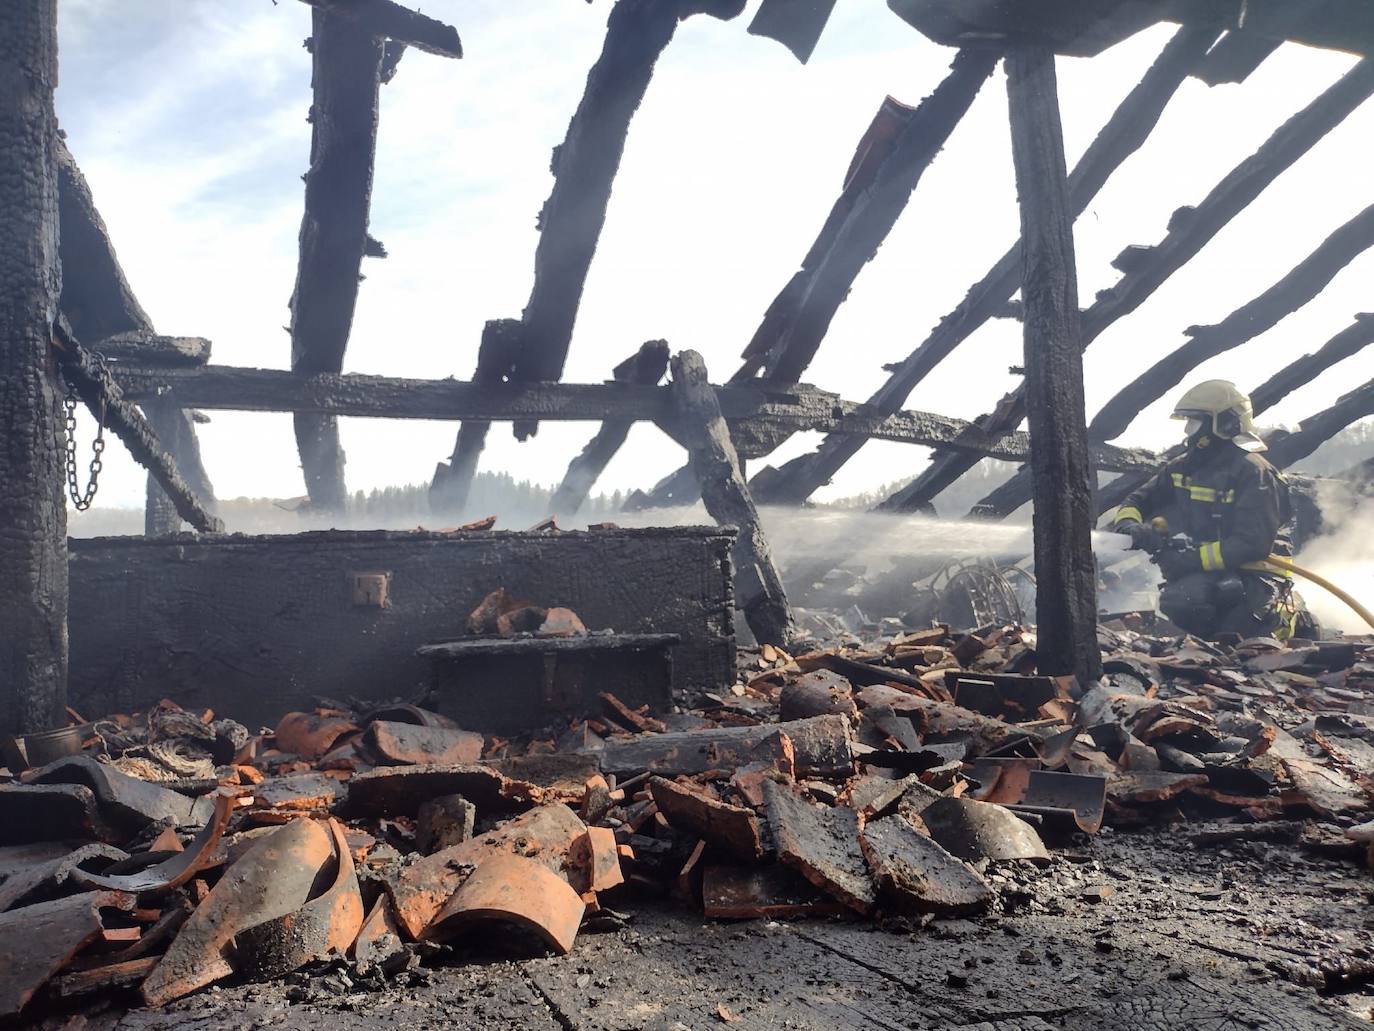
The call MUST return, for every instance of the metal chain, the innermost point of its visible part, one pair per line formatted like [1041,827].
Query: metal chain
[82,499]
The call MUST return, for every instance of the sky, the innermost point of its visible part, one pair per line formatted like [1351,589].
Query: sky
[188,118]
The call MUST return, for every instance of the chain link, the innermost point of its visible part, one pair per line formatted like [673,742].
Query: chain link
[82,499]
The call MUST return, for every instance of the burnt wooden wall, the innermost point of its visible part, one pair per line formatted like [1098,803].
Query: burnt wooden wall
[254,626]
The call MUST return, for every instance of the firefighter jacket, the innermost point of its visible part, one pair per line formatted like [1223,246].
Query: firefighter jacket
[1231,503]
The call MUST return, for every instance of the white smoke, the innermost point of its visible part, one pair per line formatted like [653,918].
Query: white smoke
[1344,554]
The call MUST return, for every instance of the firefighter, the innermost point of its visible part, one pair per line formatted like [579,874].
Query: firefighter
[1226,505]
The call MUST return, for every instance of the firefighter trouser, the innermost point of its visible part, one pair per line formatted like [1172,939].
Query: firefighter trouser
[1211,604]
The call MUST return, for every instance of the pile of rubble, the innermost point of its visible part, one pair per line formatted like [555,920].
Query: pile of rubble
[890,780]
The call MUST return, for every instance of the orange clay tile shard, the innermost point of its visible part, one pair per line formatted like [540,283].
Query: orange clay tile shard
[517,892]
[323,927]
[272,880]
[180,868]
[594,861]
[730,827]
[405,744]
[38,941]
[379,938]
[311,734]
[544,835]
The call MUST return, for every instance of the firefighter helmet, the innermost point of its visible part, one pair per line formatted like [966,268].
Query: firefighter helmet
[1220,406]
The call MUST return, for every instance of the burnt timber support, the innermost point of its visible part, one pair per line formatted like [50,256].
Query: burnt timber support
[1316,430]
[103,397]
[346,62]
[495,359]
[759,410]
[1065,573]
[1286,296]
[645,367]
[384,18]
[584,168]
[101,306]
[873,198]
[1348,342]
[1290,293]
[1145,269]
[1123,135]
[33,514]
[759,592]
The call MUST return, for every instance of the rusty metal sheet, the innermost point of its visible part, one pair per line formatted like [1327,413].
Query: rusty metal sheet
[38,941]
[325,926]
[273,879]
[516,891]
[180,868]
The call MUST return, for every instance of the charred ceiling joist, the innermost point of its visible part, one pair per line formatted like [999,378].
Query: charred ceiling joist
[347,47]
[761,410]
[1123,134]
[584,168]
[1145,269]
[1250,320]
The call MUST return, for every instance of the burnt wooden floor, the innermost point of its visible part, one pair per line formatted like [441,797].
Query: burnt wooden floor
[1184,939]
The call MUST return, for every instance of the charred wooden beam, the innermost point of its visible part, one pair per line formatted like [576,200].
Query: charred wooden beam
[880,182]
[796,24]
[759,592]
[1286,296]
[584,168]
[1297,374]
[646,367]
[101,394]
[100,304]
[346,80]
[1145,269]
[1065,573]
[495,361]
[1123,134]
[1262,313]
[1316,430]
[33,514]
[386,20]
[764,409]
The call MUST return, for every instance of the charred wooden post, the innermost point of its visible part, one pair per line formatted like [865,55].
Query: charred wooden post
[1295,375]
[646,367]
[386,19]
[102,308]
[1262,313]
[1122,136]
[33,514]
[881,181]
[1145,269]
[584,168]
[758,587]
[346,80]
[1066,576]
[106,401]
[495,360]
